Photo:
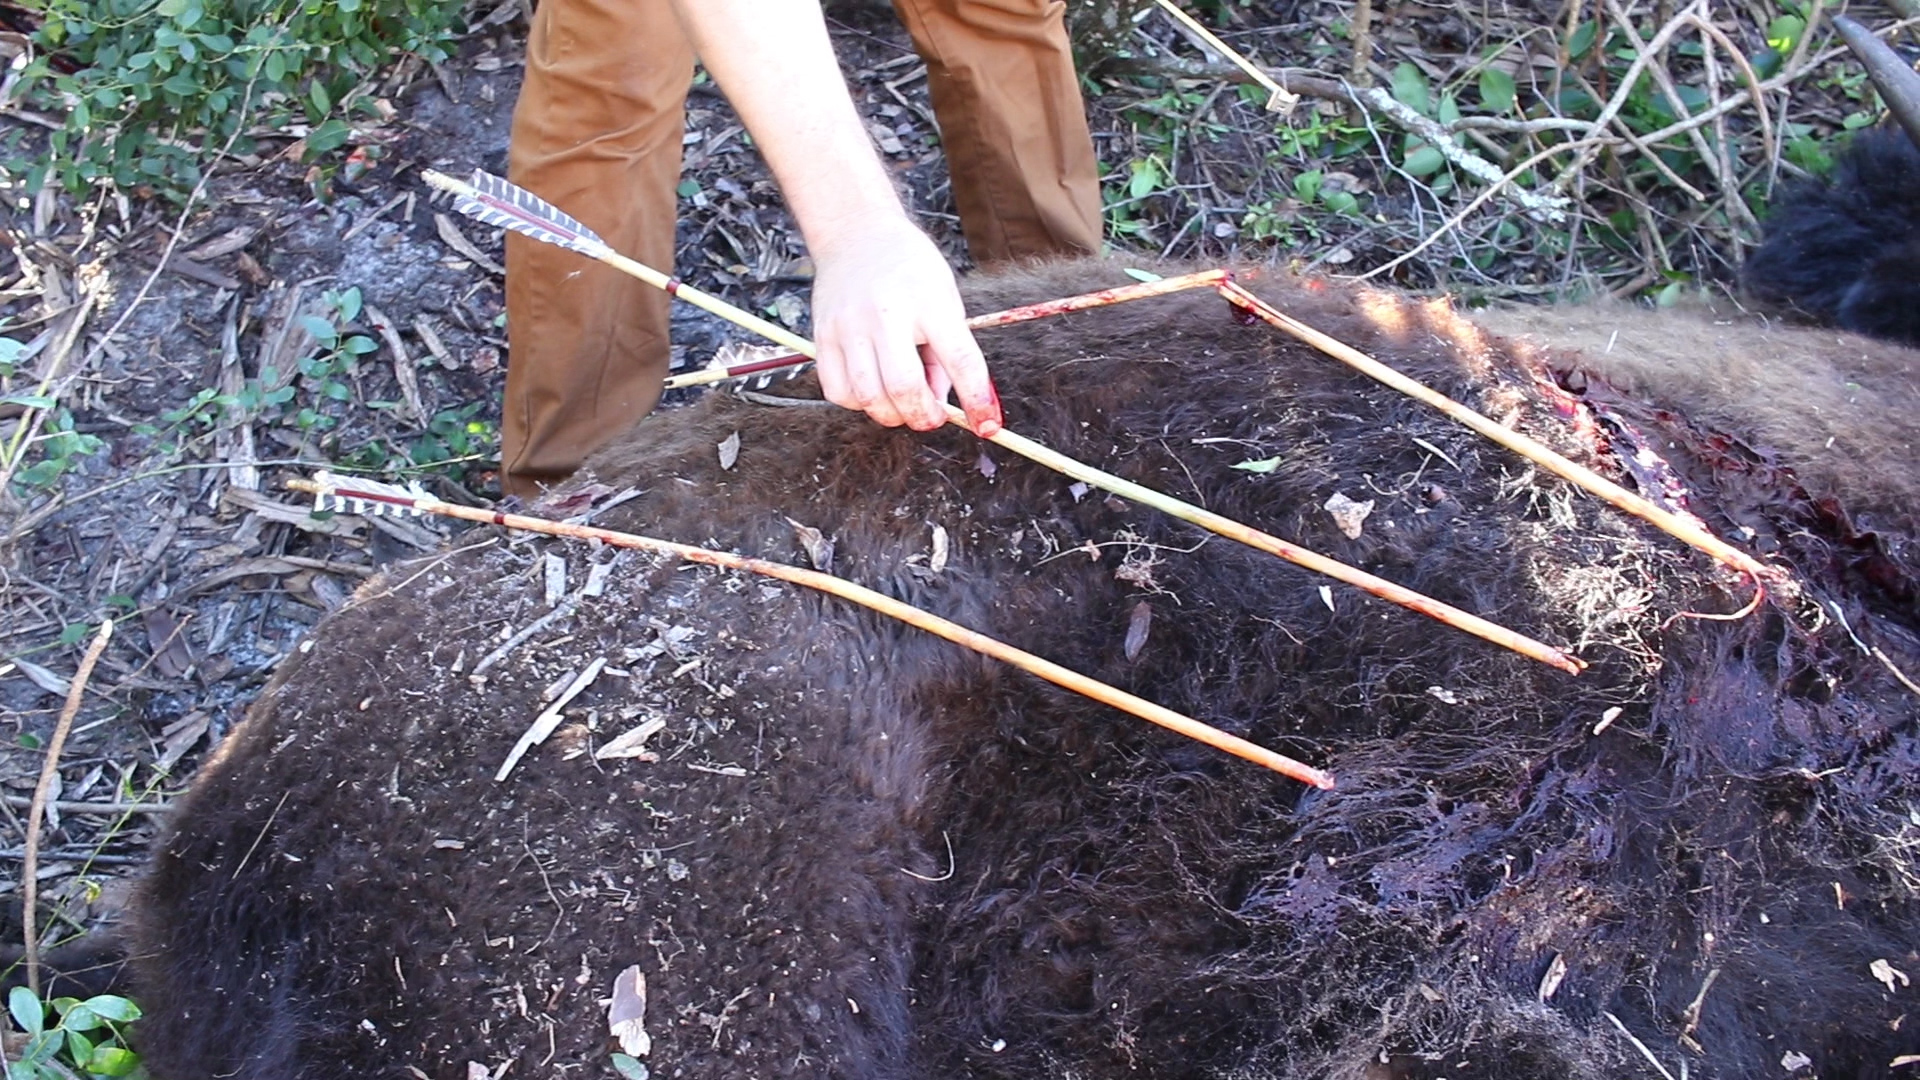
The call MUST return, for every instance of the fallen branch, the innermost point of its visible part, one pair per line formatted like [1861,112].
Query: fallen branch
[360,496]
[42,791]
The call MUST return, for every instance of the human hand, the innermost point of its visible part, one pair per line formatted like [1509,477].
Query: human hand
[891,332]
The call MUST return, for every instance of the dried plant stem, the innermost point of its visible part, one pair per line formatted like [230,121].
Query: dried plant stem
[1023,313]
[859,594]
[1531,449]
[36,812]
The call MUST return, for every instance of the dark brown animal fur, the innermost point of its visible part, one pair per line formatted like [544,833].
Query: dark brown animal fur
[865,853]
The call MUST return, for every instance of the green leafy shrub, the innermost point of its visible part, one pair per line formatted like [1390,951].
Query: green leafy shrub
[162,82]
[88,1037]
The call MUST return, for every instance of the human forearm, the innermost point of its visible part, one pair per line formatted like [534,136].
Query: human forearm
[888,322]
[775,63]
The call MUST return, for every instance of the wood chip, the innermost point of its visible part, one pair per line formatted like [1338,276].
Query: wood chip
[937,561]
[429,336]
[225,244]
[1556,973]
[627,1014]
[299,515]
[403,371]
[166,636]
[179,737]
[633,743]
[555,569]
[273,566]
[544,724]
[1348,515]
[818,545]
[730,451]
[1137,626]
[41,677]
[451,235]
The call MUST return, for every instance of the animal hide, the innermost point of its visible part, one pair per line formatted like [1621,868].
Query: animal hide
[858,851]
[1845,251]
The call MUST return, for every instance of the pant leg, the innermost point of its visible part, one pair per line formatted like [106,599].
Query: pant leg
[596,131]
[1013,124]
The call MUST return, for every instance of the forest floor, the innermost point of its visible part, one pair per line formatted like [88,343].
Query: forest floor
[172,366]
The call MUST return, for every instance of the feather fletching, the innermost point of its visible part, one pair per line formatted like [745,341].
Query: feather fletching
[490,199]
[368,498]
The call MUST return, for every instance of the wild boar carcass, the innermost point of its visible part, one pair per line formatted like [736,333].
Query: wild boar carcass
[854,850]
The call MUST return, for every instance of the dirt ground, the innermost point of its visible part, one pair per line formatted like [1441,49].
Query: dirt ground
[195,389]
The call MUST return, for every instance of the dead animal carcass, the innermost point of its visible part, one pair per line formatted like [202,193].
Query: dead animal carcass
[850,849]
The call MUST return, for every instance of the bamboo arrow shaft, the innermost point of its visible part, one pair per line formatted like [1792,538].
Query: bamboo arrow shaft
[1529,448]
[1293,553]
[1008,317]
[496,201]
[837,586]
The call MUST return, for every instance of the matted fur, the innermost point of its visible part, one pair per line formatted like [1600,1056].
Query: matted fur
[1845,250]
[865,853]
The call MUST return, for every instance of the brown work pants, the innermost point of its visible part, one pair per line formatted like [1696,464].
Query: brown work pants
[597,131]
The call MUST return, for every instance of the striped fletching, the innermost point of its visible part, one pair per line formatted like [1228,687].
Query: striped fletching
[368,498]
[488,198]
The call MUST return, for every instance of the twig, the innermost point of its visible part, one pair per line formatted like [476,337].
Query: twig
[560,611]
[36,813]
[497,202]
[1279,99]
[333,491]
[1638,1045]
[95,809]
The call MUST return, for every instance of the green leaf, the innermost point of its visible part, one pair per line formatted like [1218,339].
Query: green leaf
[322,330]
[1264,465]
[1340,202]
[81,1018]
[331,135]
[1783,33]
[688,188]
[1424,161]
[171,8]
[1497,91]
[360,345]
[316,93]
[630,1067]
[45,1045]
[112,1006]
[79,1047]
[1147,177]
[1582,40]
[1141,275]
[74,634]
[31,401]
[1410,88]
[27,1010]
[347,302]
[112,1061]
